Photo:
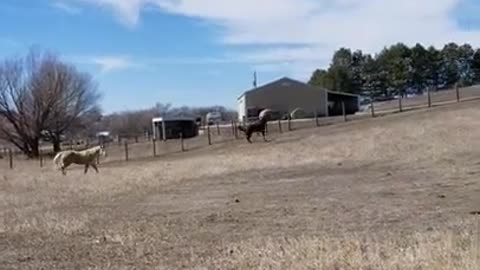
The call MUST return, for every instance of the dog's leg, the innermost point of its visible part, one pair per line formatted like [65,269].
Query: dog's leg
[86,168]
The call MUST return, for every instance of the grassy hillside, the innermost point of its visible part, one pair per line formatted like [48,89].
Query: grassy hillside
[394,191]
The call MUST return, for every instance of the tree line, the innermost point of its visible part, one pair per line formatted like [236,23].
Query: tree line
[400,70]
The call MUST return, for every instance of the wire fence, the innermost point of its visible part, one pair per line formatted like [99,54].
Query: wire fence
[142,148]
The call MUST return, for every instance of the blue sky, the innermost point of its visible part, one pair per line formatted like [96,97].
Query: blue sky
[204,52]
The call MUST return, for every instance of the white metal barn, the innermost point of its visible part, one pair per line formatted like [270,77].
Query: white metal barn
[286,95]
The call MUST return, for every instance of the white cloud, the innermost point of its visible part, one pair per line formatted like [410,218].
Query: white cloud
[109,63]
[188,60]
[321,26]
[128,11]
[306,53]
[112,63]
[106,64]
[65,7]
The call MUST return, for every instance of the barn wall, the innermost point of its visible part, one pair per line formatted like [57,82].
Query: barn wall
[286,98]
[242,110]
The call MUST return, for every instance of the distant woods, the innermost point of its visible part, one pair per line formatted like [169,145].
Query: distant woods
[400,70]
[131,123]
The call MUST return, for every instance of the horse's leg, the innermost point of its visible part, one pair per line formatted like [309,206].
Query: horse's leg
[64,167]
[86,168]
[249,135]
[95,167]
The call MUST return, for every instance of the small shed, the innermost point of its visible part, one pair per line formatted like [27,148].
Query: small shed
[103,137]
[172,128]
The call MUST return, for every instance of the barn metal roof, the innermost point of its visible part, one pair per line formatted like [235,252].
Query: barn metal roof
[286,80]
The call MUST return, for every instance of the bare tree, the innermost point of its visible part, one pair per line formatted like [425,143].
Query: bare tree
[38,94]
[76,101]
[24,109]
[129,123]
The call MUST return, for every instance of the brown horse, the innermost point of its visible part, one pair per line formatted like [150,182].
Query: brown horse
[258,126]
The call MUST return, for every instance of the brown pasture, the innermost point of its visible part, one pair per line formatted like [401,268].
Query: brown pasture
[393,192]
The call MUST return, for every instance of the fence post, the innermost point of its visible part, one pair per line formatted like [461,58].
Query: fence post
[126,150]
[154,144]
[400,107]
[208,135]
[266,128]
[372,108]
[10,158]
[40,156]
[457,92]
[429,98]
[181,142]
[289,123]
[280,126]
[316,118]
[136,138]
[236,130]
[218,129]
[71,144]
[233,129]
[344,113]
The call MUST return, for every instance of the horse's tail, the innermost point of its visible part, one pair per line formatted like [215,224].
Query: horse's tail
[242,128]
[56,160]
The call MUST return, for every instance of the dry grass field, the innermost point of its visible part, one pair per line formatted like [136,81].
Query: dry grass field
[393,192]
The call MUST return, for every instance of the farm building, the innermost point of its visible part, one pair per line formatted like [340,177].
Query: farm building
[171,128]
[104,137]
[286,96]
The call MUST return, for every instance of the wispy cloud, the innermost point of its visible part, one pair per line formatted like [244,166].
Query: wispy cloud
[214,72]
[66,7]
[9,42]
[189,60]
[285,54]
[322,25]
[107,63]
[276,60]
[127,11]
[112,63]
